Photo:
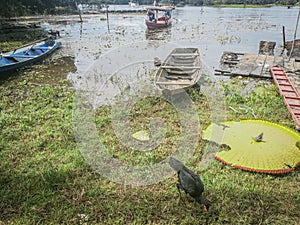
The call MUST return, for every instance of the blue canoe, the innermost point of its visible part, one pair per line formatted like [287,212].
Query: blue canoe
[11,61]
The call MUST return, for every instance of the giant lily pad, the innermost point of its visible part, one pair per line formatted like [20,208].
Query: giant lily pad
[277,152]
[141,135]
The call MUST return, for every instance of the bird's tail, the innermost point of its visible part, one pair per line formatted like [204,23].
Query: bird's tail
[176,164]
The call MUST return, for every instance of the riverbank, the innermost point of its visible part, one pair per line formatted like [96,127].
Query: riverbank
[44,177]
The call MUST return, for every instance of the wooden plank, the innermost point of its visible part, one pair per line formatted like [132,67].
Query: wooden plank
[245,65]
[237,53]
[222,71]
[178,78]
[181,67]
[231,61]
[173,83]
[258,65]
[185,54]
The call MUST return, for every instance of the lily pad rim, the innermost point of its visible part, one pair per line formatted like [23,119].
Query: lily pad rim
[280,171]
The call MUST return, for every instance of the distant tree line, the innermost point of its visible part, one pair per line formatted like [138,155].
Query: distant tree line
[13,8]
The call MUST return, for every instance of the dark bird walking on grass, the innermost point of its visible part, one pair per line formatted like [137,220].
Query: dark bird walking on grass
[190,182]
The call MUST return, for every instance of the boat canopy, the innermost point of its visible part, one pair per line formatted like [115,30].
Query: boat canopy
[161,8]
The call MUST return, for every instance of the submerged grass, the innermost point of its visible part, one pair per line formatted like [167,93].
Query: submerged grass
[44,179]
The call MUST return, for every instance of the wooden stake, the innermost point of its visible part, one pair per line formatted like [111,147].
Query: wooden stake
[79,10]
[107,17]
[283,36]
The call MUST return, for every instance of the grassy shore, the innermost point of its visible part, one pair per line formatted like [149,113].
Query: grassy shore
[45,180]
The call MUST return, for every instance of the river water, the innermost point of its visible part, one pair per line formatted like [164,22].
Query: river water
[212,30]
[123,39]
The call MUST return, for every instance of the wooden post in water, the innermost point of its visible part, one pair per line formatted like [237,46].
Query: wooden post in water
[283,36]
[80,9]
[107,16]
[283,40]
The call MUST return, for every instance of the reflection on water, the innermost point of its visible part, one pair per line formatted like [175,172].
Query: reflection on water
[160,34]
[80,31]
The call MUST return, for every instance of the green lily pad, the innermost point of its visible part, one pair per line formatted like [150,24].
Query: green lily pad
[276,152]
[141,135]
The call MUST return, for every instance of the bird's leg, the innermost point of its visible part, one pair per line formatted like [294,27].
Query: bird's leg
[205,203]
[178,188]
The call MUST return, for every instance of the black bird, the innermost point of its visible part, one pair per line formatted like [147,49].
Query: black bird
[157,62]
[259,138]
[190,182]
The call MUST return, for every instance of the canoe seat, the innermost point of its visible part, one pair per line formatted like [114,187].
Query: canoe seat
[23,56]
[181,67]
[40,48]
[185,54]
[173,83]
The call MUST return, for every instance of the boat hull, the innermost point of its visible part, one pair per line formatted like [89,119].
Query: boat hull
[22,57]
[159,24]
[159,17]
[180,70]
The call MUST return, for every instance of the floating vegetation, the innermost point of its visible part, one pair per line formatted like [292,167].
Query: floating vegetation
[231,39]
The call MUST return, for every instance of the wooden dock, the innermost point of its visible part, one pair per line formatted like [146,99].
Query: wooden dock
[285,73]
[248,65]
[259,66]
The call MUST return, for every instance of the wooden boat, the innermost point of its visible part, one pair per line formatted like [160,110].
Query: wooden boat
[159,17]
[180,70]
[25,55]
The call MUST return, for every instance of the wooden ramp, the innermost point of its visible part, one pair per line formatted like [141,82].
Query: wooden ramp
[290,96]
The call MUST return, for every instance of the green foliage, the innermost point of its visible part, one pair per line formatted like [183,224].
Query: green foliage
[15,8]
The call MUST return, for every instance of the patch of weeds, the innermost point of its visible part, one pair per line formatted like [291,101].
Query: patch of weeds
[228,40]
[260,102]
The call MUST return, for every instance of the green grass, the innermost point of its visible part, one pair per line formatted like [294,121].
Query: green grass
[45,180]
[9,46]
